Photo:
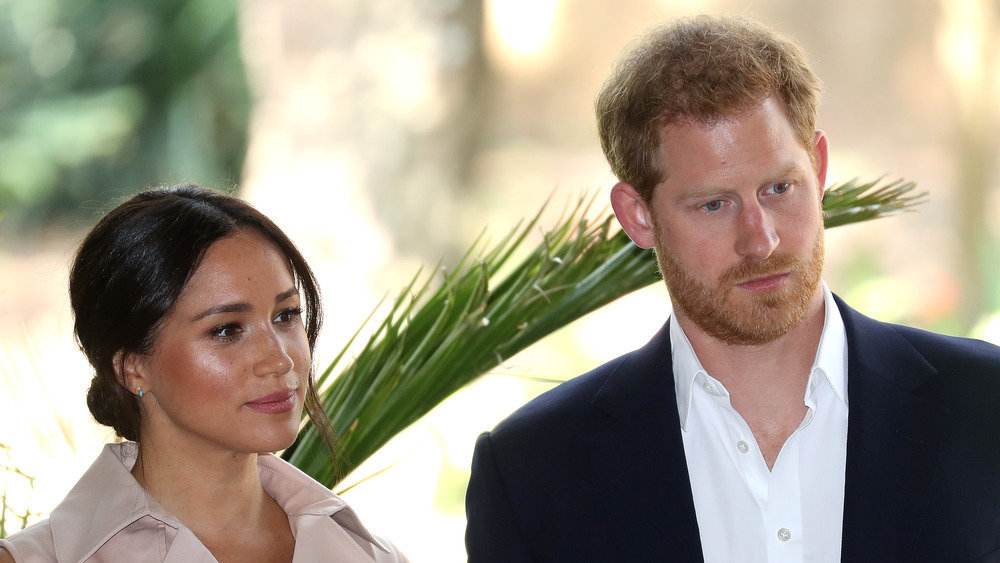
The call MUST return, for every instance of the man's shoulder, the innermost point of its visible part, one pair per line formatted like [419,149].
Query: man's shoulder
[961,372]
[941,351]
[629,382]
[563,406]
[951,352]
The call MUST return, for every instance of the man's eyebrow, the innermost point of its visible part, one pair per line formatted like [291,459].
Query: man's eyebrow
[789,169]
[698,192]
[241,307]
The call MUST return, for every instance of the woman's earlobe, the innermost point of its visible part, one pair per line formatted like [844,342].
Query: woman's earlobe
[128,371]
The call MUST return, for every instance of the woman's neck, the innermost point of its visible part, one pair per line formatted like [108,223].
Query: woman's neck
[218,496]
[197,486]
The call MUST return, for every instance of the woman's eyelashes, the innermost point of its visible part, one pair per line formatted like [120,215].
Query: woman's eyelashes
[289,316]
[228,332]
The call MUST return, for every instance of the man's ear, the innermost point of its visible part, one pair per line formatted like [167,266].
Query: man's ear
[633,215]
[128,370]
[821,154]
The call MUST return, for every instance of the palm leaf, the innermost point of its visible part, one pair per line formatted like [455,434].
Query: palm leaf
[855,201]
[437,337]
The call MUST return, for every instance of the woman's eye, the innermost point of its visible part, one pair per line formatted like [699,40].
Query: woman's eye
[289,315]
[714,205]
[226,332]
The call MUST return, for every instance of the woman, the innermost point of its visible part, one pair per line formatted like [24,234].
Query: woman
[200,318]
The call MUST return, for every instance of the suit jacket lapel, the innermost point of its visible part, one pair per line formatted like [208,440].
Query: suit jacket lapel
[639,462]
[893,439]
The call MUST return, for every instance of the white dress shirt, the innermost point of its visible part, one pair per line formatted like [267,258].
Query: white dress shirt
[793,513]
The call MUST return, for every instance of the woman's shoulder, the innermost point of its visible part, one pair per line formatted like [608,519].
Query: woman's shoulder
[387,552]
[33,543]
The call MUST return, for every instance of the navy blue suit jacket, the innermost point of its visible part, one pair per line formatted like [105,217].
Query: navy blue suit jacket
[594,470]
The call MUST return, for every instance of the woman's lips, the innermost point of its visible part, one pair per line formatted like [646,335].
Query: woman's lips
[275,403]
[766,283]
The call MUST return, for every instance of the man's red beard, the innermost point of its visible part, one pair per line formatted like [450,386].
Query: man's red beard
[745,320]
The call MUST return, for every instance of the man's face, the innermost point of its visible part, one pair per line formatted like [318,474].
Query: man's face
[729,312]
[737,225]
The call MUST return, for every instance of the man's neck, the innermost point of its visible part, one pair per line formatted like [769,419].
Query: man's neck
[766,383]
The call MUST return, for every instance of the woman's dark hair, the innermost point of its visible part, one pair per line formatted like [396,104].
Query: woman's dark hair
[134,264]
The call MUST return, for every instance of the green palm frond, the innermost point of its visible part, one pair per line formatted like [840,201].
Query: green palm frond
[855,201]
[438,337]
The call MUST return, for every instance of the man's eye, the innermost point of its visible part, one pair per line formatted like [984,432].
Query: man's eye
[780,187]
[714,205]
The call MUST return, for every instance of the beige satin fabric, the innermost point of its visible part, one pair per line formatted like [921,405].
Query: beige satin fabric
[108,517]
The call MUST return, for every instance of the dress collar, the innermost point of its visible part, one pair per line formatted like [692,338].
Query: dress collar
[108,499]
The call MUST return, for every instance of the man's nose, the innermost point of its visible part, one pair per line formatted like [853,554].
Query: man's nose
[757,237]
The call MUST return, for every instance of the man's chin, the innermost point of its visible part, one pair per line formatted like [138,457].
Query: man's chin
[754,322]
[745,334]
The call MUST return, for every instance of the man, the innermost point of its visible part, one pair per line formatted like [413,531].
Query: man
[767,420]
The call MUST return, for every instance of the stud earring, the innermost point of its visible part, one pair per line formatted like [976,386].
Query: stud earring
[139,389]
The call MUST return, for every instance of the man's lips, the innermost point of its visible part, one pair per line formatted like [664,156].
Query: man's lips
[275,403]
[769,282]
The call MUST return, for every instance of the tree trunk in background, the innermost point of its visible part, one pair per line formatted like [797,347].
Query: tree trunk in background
[380,98]
[969,52]
[365,116]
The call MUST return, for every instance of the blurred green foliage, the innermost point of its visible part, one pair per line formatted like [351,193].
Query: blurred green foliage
[105,97]
[12,519]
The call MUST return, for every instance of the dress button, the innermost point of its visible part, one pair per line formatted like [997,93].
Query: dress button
[784,534]
[709,388]
[743,446]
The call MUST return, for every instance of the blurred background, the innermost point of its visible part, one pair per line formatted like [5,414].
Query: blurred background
[383,135]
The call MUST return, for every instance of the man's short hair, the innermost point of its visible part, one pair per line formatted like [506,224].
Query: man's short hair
[704,69]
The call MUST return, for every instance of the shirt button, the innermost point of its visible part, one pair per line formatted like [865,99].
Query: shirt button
[784,534]
[709,388]
[743,447]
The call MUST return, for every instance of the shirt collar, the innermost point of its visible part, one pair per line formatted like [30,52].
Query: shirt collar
[830,361]
[102,503]
[107,499]
[686,368]
[299,494]
[831,355]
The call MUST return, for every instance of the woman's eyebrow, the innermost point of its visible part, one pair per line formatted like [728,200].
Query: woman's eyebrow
[223,308]
[286,294]
[240,307]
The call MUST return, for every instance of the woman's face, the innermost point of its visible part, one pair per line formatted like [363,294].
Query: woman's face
[230,365]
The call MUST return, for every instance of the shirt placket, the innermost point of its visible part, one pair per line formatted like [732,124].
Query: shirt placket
[741,446]
[777,492]
[783,519]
